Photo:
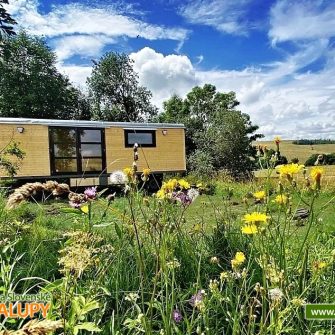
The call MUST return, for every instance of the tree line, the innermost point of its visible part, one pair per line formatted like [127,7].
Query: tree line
[304,141]
[218,135]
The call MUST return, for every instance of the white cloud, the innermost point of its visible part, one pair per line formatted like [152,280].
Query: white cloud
[302,20]
[226,16]
[82,24]
[164,75]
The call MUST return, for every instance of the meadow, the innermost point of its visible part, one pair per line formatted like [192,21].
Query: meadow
[194,258]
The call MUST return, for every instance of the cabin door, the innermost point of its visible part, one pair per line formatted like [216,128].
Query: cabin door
[77,150]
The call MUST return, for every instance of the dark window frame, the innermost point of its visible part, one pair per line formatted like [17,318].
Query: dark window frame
[78,156]
[142,131]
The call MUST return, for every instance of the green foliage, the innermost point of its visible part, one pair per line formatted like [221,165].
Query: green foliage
[218,136]
[314,141]
[10,158]
[115,92]
[328,159]
[6,22]
[32,87]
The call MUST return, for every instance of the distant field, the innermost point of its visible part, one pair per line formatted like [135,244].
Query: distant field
[299,151]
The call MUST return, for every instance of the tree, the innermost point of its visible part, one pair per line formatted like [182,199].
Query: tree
[115,91]
[31,86]
[6,22]
[218,136]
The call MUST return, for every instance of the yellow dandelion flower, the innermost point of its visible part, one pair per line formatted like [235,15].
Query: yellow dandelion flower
[288,170]
[281,199]
[128,172]
[170,185]
[237,260]
[146,172]
[183,184]
[249,229]
[255,218]
[161,194]
[260,195]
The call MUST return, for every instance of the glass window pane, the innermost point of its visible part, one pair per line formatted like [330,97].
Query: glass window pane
[91,164]
[61,135]
[64,150]
[65,165]
[140,138]
[88,150]
[90,135]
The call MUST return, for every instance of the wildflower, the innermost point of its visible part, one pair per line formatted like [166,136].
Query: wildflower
[161,194]
[76,200]
[90,193]
[316,174]
[237,260]
[260,195]
[183,184]
[281,199]
[182,197]
[317,266]
[129,173]
[145,174]
[277,140]
[170,185]
[213,285]
[276,294]
[224,275]
[176,316]
[255,218]
[249,229]
[174,264]
[298,302]
[118,178]
[132,297]
[192,193]
[197,299]
[214,260]
[288,170]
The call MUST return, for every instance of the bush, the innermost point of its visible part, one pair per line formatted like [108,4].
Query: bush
[328,159]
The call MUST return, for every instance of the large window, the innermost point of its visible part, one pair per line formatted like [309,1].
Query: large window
[76,150]
[144,138]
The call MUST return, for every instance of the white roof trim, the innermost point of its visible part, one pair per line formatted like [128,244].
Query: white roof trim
[89,124]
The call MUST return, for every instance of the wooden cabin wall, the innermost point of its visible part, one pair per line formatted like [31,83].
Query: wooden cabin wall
[34,141]
[168,155]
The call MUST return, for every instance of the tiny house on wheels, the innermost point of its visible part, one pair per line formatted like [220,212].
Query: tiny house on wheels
[87,152]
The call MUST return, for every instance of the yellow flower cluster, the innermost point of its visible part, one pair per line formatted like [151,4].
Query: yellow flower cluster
[281,199]
[260,195]
[288,170]
[238,260]
[171,185]
[316,174]
[254,223]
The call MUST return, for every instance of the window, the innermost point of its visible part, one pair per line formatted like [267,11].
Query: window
[144,138]
[76,150]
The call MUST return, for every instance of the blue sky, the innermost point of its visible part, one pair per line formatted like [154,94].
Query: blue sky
[277,55]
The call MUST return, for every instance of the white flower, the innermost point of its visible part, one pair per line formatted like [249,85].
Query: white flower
[192,193]
[118,178]
[276,294]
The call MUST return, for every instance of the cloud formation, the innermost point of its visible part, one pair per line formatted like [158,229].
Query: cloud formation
[226,16]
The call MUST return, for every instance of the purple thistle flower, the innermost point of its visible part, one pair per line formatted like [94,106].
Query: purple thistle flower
[90,192]
[176,316]
[196,299]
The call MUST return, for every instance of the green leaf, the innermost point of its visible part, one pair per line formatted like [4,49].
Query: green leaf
[118,231]
[70,210]
[90,306]
[89,326]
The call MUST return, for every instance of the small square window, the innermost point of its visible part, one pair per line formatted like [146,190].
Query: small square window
[144,138]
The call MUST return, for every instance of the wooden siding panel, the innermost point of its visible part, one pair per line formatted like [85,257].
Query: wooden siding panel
[34,141]
[168,155]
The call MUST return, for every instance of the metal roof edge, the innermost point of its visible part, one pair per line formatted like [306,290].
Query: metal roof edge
[82,123]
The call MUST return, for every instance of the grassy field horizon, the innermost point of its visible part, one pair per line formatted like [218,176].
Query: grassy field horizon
[302,152]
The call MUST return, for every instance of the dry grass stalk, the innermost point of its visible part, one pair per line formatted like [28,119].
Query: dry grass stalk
[27,190]
[36,327]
